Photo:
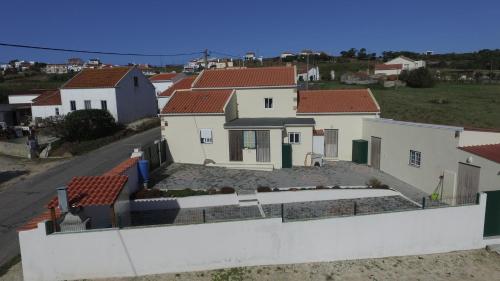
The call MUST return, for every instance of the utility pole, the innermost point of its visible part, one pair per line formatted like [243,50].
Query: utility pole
[307,71]
[205,58]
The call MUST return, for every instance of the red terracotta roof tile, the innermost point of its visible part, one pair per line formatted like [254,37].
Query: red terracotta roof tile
[48,98]
[122,167]
[333,101]
[97,78]
[202,101]
[183,84]
[33,223]
[93,190]
[388,66]
[163,76]
[246,77]
[488,151]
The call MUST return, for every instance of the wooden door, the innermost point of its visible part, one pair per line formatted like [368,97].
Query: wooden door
[331,143]
[235,145]
[468,183]
[375,152]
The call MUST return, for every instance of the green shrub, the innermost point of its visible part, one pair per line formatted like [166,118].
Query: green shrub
[185,192]
[264,189]
[419,78]
[227,190]
[89,124]
[147,193]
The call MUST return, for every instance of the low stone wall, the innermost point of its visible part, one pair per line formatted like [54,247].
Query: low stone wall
[14,149]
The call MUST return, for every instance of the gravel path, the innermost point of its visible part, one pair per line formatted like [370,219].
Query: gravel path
[180,176]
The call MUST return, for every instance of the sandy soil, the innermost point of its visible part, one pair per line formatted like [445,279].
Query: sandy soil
[463,265]
[13,170]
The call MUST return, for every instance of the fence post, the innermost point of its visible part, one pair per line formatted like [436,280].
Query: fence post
[423,202]
[355,208]
[204,216]
[282,213]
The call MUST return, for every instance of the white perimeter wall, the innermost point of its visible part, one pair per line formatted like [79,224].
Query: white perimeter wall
[468,138]
[161,249]
[350,128]
[44,111]
[437,145]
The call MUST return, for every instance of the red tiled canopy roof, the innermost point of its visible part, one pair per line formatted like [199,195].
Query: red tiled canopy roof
[93,190]
[48,98]
[334,101]
[246,77]
[163,76]
[97,78]
[388,66]
[488,151]
[202,101]
[183,84]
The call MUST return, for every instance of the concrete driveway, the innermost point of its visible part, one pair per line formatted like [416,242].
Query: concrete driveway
[342,173]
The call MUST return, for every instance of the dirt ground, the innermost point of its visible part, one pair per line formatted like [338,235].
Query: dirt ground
[13,169]
[462,265]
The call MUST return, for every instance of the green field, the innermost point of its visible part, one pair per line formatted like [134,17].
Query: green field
[468,105]
[28,83]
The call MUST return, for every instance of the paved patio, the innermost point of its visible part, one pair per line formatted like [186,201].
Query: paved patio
[342,173]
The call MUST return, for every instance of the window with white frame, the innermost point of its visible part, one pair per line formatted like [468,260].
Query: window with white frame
[415,158]
[268,103]
[249,139]
[88,104]
[57,111]
[206,136]
[294,138]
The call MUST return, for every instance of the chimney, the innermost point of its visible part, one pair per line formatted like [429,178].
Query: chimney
[62,197]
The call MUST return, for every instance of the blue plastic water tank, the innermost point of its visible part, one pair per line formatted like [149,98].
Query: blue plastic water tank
[143,171]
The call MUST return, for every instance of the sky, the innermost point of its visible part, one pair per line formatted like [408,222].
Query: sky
[235,27]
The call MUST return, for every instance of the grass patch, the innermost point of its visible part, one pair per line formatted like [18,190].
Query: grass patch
[467,105]
[232,274]
[6,266]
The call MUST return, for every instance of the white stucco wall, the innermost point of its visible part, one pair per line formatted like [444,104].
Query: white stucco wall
[183,137]
[161,249]
[300,150]
[251,102]
[388,71]
[468,137]
[162,101]
[135,102]
[350,128]
[94,95]
[161,86]
[44,111]
[16,99]
[437,145]
[407,64]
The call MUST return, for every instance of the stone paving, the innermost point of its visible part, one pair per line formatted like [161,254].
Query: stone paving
[342,173]
[291,211]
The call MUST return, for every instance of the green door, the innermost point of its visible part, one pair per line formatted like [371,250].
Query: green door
[286,155]
[492,218]
[360,151]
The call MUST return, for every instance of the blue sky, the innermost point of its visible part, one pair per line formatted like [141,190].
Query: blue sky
[234,27]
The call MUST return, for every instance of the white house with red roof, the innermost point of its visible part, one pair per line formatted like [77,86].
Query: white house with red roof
[396,65]
[124,91]
[163,81]
[255,118]
[48,104]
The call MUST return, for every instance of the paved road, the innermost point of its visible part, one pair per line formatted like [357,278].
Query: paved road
[27,199]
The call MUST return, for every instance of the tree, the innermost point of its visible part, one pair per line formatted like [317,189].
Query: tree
[351,53]
[1,78]
[419,78]
[88,124]
[362,54]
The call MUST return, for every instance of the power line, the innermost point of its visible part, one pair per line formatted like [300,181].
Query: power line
[96,52]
